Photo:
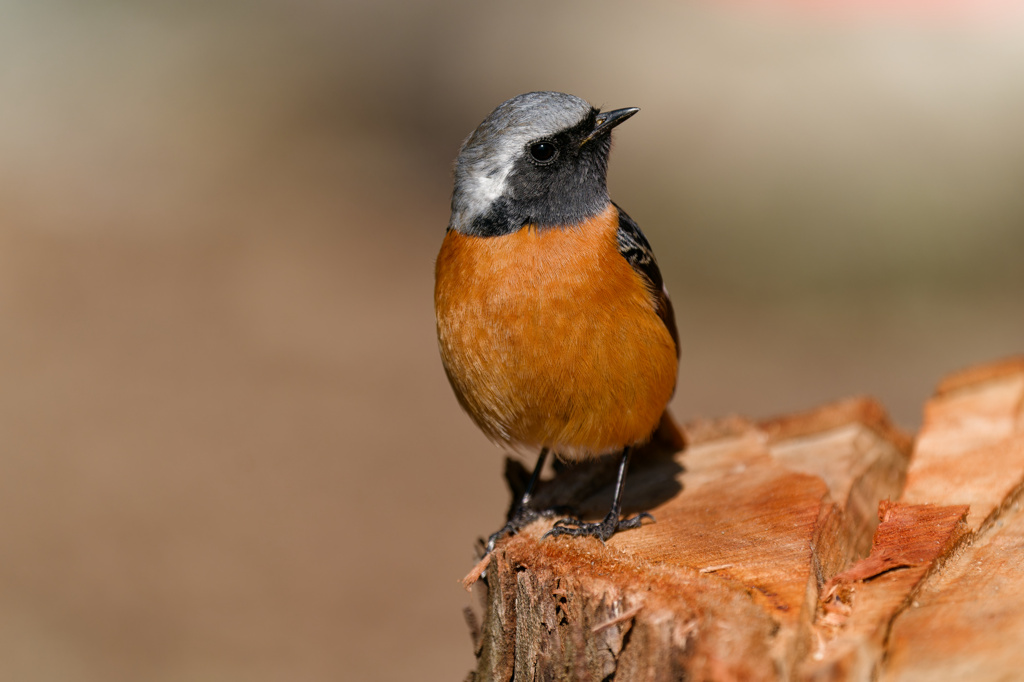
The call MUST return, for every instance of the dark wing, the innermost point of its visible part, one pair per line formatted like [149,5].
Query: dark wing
[635,248]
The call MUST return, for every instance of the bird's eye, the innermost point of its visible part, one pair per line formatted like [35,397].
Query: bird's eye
[543,151]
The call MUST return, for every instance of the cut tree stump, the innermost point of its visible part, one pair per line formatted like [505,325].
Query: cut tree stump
[820,546]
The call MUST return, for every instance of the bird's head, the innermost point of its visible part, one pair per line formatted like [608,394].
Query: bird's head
[538,159]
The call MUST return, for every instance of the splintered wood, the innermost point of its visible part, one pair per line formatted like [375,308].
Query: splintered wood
[813,547]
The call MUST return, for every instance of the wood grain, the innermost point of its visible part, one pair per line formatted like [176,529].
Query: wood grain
[819,546]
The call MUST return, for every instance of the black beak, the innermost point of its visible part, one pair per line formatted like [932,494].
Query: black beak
[608,120]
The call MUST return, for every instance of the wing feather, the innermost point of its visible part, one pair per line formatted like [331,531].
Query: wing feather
[635,248]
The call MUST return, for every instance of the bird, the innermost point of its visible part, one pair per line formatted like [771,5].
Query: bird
[554,326]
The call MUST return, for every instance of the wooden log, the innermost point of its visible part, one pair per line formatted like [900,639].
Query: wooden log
[966,621]
[768,561]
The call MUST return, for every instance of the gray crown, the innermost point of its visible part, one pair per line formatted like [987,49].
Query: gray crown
[487,156]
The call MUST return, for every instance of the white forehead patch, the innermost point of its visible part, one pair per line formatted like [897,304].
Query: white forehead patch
[487,156]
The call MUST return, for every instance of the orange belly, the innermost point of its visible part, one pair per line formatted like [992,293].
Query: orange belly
[551,339]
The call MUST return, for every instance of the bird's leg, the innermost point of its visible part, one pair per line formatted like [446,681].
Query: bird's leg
[521,515]
[611,523]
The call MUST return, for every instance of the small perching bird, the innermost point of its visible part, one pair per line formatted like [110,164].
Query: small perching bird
[554,325]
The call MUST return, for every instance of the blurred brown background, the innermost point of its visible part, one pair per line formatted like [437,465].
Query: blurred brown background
[227,447]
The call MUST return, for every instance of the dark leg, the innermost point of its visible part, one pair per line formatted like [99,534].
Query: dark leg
[521,515]
[611,524]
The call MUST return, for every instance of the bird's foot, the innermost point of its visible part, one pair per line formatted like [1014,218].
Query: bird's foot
[522,517]
[602,530]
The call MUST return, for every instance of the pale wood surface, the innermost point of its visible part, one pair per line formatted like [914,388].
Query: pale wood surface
[768,562]
[967,619]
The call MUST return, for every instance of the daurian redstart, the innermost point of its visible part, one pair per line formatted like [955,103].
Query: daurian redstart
[554,325]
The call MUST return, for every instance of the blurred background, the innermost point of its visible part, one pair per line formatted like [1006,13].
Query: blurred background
[227,447]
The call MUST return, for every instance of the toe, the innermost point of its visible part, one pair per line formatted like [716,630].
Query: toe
[634,522]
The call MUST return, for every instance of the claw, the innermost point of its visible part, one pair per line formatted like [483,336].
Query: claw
[602,531]
[556,531]
[522,517]
[635,522]
[492,540]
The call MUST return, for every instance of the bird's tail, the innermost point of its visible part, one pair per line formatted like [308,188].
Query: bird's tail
[668,437]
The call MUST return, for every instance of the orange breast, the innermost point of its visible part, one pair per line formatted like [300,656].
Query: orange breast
[550,338]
